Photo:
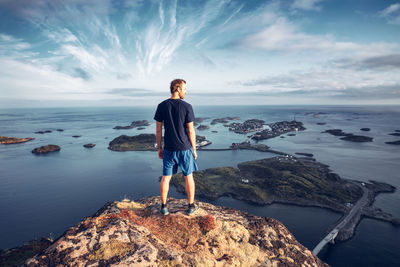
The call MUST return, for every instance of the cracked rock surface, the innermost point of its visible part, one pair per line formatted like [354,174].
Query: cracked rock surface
[134,233]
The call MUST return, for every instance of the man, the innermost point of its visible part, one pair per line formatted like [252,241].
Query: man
[179,142]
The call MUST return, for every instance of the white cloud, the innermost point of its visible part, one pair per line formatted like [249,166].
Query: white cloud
[391,13]
[11,47]
[307,5]
[282,35]
[160,40]
[29,81]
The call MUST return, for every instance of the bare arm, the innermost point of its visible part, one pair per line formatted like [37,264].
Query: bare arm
[158,138]
[192,138]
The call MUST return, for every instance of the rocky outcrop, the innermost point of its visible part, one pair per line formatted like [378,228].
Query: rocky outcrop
[14,140]
[46,149]
[131,233]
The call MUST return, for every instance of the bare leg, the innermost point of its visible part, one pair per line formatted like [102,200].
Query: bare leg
[189,186]
[164,188]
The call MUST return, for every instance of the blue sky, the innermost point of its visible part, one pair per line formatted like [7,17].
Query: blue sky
[124,53]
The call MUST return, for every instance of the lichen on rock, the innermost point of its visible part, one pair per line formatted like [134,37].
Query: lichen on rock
[134,233]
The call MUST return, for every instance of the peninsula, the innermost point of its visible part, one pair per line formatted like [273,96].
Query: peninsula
[296,181]
[284,179]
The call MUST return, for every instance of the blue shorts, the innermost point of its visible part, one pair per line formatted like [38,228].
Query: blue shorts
[184,159]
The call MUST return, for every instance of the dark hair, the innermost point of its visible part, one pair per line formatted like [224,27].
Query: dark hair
[175,84]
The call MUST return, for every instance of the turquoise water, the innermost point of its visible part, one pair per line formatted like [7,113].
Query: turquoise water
[44,195]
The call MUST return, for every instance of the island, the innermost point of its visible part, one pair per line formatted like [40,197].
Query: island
[247,145]
[89,145]
[365,129]
[201,141]
[133,124]
[14,140]
[141,142]
[357,138]
[278,128]
[395,134]
[248,126]
[144,142]
[224,120]
[203,127]
[349,136]
[321,123]
[43,132]
[305,154]
[199,120]
[46,149]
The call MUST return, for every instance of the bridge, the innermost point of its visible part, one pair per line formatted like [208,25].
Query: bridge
[330,238]
[344,222]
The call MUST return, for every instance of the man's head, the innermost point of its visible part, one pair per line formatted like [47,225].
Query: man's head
[178,87]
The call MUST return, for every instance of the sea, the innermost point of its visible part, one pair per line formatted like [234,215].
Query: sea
[42,196]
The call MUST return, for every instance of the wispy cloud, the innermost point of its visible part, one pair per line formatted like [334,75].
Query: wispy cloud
[329,83]
[391,13]
[11,47]
[132,92]
[272,48]
[307,5]
[382,62]
[283,35]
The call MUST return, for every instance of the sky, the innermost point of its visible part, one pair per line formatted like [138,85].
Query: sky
[56,53]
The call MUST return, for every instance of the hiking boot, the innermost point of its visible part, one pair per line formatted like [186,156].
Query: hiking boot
[192,209]
[164,211]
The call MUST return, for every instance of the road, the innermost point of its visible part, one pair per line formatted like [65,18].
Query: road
[330,237]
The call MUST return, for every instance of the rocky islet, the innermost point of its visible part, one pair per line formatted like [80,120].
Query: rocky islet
[46,149]
[134,124]
[14,140]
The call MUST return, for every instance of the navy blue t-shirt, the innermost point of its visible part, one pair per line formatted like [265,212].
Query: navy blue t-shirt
[175,114]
